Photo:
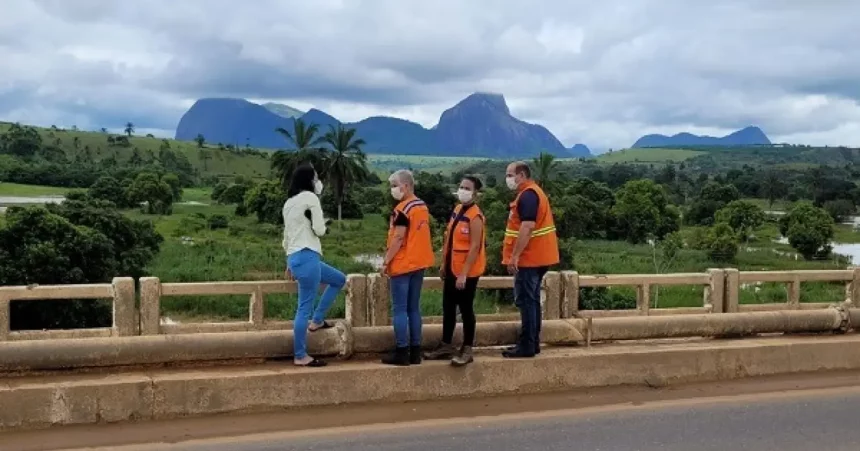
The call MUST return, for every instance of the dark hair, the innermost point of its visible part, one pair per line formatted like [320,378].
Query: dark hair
[303,180]
[521,167]
[475,181]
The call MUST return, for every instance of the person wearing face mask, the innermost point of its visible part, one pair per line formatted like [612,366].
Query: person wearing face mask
[530,247]
[303,225]
[463,263]
[409,253]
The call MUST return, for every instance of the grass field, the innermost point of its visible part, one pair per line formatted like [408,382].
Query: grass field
[14,189]
[383,164]
[648,156]
[220,162]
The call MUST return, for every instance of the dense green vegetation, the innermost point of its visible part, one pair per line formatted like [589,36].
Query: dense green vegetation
[183,217]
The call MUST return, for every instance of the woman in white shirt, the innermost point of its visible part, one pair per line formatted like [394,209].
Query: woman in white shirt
[303,225]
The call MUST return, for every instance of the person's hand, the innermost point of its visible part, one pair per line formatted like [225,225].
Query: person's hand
[461,282]
[288,275]
[383,270]
[442,273]
[513,265]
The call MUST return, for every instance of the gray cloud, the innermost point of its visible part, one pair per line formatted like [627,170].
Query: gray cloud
[602,73]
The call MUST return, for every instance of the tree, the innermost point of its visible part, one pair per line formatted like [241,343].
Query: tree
[809,230]
[111,190]
[20,141]
[306,148]
[156,193]
[713,197]
[129,129]
[545,167]
[266,199]
[345,164]
[839,209]
[200,140]
[773,187]
[642,209]
[721,243]
[742,216]
[79,241]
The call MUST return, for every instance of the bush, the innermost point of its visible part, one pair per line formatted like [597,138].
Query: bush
[216,222]
[721,243]
[743,216]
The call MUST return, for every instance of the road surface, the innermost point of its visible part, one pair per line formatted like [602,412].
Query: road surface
[802,420]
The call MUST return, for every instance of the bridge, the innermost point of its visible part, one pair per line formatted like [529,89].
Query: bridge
[142,369]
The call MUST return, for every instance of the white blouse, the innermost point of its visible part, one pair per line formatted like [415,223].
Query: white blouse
[299,231]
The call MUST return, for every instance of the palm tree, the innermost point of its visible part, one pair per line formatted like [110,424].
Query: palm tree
[129,129]
[346,163]
[306,148]
[545,165]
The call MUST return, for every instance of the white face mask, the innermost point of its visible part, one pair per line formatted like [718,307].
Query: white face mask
[318,187]
[397,193]
[464,195]
[511,182]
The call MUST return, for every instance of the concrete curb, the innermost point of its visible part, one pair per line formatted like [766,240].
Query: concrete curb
[86,399]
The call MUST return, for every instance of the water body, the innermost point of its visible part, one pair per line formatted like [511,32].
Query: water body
[10,201]
[850,250]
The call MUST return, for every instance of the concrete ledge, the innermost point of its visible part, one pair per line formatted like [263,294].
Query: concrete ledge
[37,402]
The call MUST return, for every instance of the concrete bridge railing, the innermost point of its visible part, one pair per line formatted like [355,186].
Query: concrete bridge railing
[368,304]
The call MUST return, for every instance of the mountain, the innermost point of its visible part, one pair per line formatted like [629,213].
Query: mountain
[743,137]
[579,151]
[283,110]
[481,125]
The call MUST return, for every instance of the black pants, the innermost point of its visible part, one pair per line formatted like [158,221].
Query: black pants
[464,299]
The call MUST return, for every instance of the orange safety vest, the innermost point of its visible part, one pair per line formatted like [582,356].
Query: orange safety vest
[542,248]
[417,249]
[460,241]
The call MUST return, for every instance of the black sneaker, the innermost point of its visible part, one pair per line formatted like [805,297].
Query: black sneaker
[415,355]
[400,357]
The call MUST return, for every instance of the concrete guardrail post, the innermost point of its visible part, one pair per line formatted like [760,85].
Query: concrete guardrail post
[643,298]
[731,298]
[150,306]
[854,288]
[552,288]
[5,320]
[794,292]
[123,307]
[716,290]
[357,294]
[569,294]
[257,307]
[378,299]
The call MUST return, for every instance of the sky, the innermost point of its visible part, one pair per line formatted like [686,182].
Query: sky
[601,73]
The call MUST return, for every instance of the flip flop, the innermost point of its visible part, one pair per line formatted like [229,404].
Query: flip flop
[325,325]
[315,363]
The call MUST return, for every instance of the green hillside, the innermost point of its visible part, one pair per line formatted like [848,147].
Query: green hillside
[211,160]
[649,155]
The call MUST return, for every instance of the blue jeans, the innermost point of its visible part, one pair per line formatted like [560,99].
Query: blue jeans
[406,307]
[309,271]
[527,285]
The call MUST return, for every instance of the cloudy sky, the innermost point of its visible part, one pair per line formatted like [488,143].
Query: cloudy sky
[598,72]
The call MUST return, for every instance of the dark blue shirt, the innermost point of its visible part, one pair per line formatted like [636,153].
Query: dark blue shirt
[527,206]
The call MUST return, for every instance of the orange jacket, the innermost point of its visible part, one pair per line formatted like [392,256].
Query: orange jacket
[460,241]
[417,249]
[542,248]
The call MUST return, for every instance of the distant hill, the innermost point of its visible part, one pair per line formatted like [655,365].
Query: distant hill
[283,110]
[743,137]
[580,151]
[481,125]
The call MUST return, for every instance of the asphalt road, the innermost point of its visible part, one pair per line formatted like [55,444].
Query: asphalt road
[827,419]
